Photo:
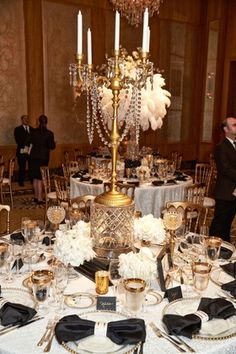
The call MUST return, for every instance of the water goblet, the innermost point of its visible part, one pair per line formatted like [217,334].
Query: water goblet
[172,221]
[24,221]
[213,245]
[8,262]
[41,281]
[114,274]
[18,253]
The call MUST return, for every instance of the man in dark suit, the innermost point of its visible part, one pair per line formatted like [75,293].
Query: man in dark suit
[225,189]
[22,138]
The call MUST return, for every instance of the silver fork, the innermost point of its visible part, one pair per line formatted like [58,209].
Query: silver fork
[43,338]
[164,335]
[50,335]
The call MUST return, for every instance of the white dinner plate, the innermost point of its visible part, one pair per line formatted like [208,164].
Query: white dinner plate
[98,344]
[220,277]
[19,295]
[215,329]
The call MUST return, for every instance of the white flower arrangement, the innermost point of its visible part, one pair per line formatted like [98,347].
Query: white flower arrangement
[138,265]
[150,229]
[154,101]
[143,169]
[74,246]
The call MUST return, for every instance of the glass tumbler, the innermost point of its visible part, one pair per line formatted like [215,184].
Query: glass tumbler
[134,294]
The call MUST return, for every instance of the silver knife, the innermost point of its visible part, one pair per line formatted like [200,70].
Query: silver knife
[7,330]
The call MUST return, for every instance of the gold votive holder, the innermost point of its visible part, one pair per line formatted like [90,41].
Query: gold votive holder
[134,294]
[201,274]
[102,282]
[213,245]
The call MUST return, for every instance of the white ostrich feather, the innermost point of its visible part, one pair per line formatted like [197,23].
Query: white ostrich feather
[153,105]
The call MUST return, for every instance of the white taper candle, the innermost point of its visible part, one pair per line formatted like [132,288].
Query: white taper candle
[148,40]
[117,31]
[89,47]
[79,33]
[145,30]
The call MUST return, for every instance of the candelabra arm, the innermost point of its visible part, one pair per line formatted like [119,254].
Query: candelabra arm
[79,58]
[116,87]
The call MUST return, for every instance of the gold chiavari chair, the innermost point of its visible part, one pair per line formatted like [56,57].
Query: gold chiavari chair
[195,193]
[203,174]
[2,166]
[62,191]
[7,181]
[5,219]
[50,196]
[126,188]
[83,203]
[194,215]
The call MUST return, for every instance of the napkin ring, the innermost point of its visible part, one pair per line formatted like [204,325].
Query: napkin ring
[202,315]
[100,329]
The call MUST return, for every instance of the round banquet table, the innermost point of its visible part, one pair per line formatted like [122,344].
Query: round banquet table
[148,199]
[24,340]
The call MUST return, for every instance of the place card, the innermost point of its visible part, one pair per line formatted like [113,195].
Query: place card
[174,293]
[107,303]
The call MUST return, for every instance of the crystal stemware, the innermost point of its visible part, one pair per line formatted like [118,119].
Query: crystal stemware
[114,274]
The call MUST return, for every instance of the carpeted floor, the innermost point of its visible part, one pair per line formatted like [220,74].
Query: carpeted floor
[23,206]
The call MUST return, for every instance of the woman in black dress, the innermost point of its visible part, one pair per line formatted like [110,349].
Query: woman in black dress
[42,142]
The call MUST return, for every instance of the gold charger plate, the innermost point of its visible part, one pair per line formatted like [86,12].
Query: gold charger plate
[80,300]
[186,306]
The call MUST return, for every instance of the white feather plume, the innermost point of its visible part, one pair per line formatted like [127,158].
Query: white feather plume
[153,105]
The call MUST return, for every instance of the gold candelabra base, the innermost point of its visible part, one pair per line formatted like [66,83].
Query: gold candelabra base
[113,199]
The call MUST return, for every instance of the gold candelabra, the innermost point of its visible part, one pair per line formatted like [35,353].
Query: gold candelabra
[87,80]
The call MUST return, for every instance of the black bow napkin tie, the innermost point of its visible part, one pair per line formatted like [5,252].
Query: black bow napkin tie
[225,253]
[72,328]
[191,324]
[230,268]
[231,287]
[13,313]
[17,237]
[96,181]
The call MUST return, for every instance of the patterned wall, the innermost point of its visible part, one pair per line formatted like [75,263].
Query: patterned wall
[59,35]
[13,97]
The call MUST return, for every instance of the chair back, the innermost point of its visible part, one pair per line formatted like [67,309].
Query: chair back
[73,167]
[193,215]
[46,179]
[2,166]
[195,193]
[11,168]
[126,188]
[62,190]
[83,203]
[4,219]
[203,174]
[66,171]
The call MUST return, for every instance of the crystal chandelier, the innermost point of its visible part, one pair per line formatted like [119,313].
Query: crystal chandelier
[133,10]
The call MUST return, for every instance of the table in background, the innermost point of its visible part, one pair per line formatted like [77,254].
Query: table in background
[148,199]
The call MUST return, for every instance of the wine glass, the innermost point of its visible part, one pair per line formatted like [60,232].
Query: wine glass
[56,215]
[172,220]
[114,274]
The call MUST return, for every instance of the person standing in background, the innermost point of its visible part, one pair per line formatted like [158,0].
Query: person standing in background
[42,143]
[225,188]
[22,135]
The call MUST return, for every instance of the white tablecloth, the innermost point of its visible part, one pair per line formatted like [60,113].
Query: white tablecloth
[148,199]
[23,340]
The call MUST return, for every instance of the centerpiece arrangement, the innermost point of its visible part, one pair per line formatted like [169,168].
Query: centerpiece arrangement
[133,77]
[73,247]
[149,229]
[138,265]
